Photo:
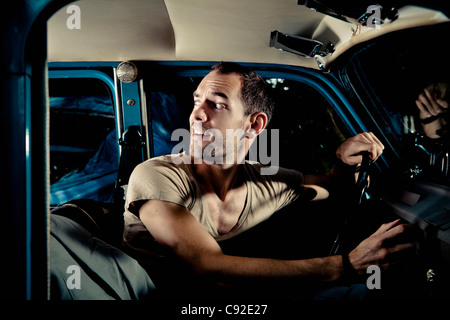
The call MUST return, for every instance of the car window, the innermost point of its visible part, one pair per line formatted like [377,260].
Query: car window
[170,101]
[83,142]
[308,129]
[395,73]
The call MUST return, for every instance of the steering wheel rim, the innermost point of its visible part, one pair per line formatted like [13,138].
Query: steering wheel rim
[361,186]
[362,182]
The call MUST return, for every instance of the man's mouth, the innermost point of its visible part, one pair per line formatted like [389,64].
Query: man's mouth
[200,133]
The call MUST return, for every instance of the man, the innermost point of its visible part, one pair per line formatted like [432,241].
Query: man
[179,206]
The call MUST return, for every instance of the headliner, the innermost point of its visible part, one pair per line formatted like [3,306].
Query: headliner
[205,30]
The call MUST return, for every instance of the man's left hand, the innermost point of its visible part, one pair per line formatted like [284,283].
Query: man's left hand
[349,151]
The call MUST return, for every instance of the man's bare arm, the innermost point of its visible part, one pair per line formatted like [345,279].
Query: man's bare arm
[349,153]
[173,226]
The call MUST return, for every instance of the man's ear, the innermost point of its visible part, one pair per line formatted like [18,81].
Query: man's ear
[258,122]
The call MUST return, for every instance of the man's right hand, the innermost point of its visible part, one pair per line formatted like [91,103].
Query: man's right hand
[380,247]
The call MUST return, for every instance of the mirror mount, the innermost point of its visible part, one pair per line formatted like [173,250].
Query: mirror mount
[298,45]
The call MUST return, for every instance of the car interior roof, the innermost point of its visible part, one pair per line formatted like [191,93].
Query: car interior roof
[203,30]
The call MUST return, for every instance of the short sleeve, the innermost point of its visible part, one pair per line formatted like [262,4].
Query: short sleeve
[159,179]
[273,192]
[287,185]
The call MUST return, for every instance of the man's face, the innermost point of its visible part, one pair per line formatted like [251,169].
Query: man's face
[217,107]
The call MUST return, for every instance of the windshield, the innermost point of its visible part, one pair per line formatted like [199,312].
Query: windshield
[402,83]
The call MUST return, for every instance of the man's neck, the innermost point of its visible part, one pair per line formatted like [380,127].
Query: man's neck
[218,178]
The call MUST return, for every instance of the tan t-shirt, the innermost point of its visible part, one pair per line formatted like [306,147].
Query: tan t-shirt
[161,179]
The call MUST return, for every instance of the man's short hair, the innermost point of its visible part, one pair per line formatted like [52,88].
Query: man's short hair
[254,89]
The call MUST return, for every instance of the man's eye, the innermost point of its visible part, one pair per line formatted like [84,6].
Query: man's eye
[212,104]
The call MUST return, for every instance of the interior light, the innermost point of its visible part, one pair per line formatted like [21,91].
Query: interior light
[127,71]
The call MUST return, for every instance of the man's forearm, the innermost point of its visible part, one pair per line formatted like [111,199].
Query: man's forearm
[339,177]
[240,271]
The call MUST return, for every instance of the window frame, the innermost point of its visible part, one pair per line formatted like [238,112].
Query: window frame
[62,71]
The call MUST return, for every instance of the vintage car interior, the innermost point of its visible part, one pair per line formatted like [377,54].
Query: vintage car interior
[92,88]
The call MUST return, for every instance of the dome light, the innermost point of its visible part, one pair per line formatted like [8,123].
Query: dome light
[127,71]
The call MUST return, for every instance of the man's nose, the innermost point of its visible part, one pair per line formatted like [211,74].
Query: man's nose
[199,113]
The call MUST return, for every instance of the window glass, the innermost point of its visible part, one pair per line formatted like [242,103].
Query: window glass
[308,129]
[83,142]
[171,103]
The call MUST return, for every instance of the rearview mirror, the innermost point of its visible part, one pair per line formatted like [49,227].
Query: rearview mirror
[294,44]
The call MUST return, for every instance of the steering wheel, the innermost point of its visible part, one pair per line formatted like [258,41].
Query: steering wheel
[360,194]
[362,183]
